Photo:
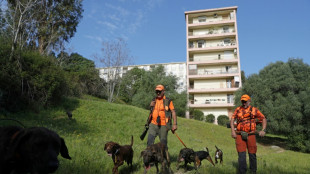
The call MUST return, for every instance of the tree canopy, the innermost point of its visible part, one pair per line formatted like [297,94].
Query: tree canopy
[282,92]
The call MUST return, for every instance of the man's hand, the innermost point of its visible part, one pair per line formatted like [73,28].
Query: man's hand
[233,134]
[152,104]
[261,133]
[174,128]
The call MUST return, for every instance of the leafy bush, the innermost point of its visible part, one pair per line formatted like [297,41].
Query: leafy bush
[222,120]
[198,115]
[210,118]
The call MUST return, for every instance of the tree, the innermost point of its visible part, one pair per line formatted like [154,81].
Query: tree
[114,55]
[83,75]
[280,91]
[42,24]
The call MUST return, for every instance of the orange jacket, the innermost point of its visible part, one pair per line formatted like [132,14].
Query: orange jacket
[244,123]
[159,110]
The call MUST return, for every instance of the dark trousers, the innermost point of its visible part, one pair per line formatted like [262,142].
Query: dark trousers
[156,130]
[242,162]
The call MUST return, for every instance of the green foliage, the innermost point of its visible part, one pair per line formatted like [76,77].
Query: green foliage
[137,88]
[198,115]
[81,74]
[222,120]
[281,91]
[210,118]
[33,82]
[43,24]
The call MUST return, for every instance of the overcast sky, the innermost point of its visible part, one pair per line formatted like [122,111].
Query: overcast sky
[268,30]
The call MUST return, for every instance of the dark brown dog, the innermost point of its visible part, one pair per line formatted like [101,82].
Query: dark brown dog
[218,155]
[32,150]
[119,154]
[189,155]
[154,154]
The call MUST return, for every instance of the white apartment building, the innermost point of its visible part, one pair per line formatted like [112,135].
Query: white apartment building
[213,63]
[178,69]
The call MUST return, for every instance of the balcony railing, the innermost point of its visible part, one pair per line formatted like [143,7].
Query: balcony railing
[212,32]
[216,58]
[193,46]
[209,21]
[208,72]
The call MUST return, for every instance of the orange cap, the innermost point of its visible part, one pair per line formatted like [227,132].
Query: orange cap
[245,97]
[160,87]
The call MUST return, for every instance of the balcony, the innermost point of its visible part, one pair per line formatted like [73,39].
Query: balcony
[214,61]
[211,90]
[194,104]
[212,72]
[199,25]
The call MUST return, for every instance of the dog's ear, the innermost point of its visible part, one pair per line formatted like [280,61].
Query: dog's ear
[105,146]
[63,149]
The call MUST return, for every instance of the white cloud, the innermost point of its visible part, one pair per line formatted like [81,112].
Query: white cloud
[95,38]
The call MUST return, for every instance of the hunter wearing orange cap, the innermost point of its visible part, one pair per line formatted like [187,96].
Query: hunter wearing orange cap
[162,111]
[246,117]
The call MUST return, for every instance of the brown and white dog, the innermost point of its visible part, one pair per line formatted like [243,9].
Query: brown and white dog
[119,154]
[218,155]
[154,154]
[32,150]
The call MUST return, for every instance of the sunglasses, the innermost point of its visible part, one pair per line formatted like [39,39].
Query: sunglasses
[157,91]
[243,101]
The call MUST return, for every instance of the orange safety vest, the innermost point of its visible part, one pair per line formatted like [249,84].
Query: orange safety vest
[159,110]
[247,118]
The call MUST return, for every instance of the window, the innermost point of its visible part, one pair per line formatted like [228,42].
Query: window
[201,43]
[191,45]
[226,29]
[227,41]
[202,18]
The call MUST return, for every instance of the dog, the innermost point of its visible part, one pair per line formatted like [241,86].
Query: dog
[189,155]
[119,154]
[218,155]
[30,150]
[154,154]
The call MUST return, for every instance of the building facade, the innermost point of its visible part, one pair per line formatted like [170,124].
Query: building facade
[213,63]
[178,69]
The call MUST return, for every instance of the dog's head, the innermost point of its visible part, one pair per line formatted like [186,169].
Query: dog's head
[149,155]
[36,149]
[186,154]
[111,148]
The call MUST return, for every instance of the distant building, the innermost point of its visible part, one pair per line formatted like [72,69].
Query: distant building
[178,69]
[213,63]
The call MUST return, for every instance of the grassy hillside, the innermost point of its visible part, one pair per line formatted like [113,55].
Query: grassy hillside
[95,122]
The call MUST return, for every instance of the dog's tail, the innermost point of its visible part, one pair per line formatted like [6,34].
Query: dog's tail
[131,140]
[216,148]
[207,149]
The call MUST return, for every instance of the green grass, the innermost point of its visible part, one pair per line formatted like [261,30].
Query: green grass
[96,121]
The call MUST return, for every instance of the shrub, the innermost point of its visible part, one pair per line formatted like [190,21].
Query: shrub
[210,118]
[198,115]
[222,120]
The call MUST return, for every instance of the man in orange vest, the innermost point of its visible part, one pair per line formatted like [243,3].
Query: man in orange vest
[161,122]
[246,117]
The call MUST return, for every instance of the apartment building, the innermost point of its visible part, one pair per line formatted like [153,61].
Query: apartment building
[176,68]
[213,63]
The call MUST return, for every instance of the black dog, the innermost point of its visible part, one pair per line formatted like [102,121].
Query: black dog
[189,155]
[218,155]
[154,154]
[119,154]
[33,150]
